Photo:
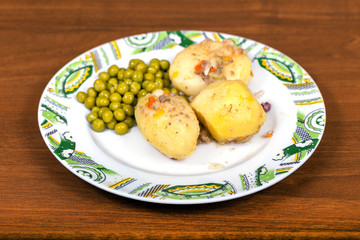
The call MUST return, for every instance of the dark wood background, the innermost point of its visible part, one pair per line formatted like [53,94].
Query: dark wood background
[40,199]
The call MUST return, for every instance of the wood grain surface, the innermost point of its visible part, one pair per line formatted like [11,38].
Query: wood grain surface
[40,199]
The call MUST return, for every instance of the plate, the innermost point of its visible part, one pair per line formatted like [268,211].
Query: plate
[130,167]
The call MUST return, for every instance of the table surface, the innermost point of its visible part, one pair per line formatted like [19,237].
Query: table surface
[42,199]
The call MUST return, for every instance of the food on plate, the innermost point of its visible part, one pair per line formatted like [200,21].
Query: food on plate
[168,122]
[229,110]
[201,64]
[116,91]
[212,75]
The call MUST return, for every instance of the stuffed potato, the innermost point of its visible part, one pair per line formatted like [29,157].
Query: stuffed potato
[168,122]
[229,110]
[201,64]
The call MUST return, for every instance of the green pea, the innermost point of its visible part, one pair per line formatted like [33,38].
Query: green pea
[184,97]
[144,84]
[102,110]
[166,76]
[89,102]
[164,65]
[111,124]
[134,102]
[128,73]
[81,96]
[141,93]
[123,88]
[104,76]
[141,67]
[102,102]
[111,89]
[128,81]
[167,83]
[107,116]
[129,121]
[98,125]
[137,76]
[121,73]
[150,87]
[159,83]
[99,85]
[92,92]
[128,98]
[95,109]
[152,69]
[113,70]
[104,93]
[149,76]
[133,63]
[159,74]
[114,105]
[121,128]
[113,82]
[174,90]
[128,109]
[135,87]
[115,97]
[155,62]
[119,114]
[92,116]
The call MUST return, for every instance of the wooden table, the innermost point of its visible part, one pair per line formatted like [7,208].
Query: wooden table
[40,199]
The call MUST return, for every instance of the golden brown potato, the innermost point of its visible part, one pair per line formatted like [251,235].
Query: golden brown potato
[168,122]
[229,110]
[201,64]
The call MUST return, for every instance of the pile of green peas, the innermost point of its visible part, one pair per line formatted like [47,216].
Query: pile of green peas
[115,93]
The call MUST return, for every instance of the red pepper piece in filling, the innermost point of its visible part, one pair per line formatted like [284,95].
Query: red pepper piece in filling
[151,101]
[199,66]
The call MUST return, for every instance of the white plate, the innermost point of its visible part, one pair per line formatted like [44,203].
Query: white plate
[130,167]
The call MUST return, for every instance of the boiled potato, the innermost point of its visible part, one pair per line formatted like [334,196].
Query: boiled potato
[201,64]
[229,110]
[168,122]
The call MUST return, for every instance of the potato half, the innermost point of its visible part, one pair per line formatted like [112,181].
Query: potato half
[168,122]
[229,110]
[201,64]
